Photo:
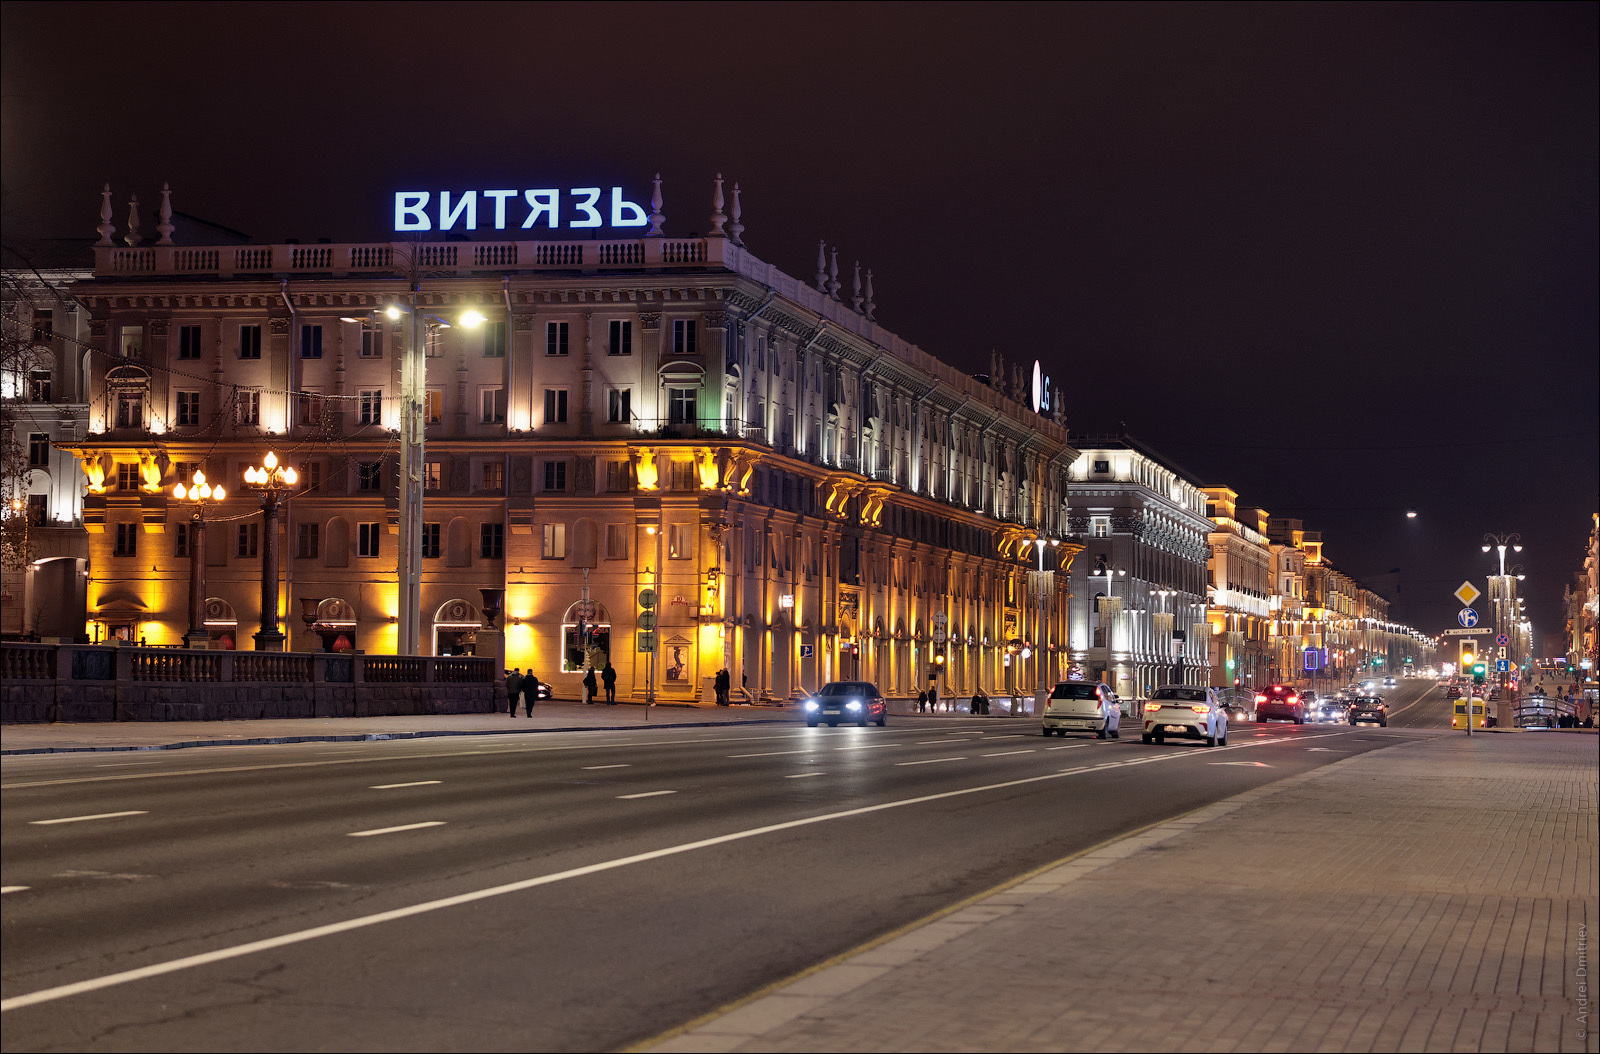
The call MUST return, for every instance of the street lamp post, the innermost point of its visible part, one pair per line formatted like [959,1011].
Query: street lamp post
[272,481]
[1044,593]
[1110,575]
[196,495]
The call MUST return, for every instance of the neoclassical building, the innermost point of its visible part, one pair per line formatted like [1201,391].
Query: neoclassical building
[608,412]
[1138,609]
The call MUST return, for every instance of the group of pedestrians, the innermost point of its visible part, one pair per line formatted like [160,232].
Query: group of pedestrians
[591,686]
[520,687]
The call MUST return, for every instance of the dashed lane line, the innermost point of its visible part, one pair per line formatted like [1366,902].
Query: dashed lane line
[770,754]
[597,768]
[12,889]
[397,830]
[928,761]
[93,984]
[644,794]
[1007,753]
[802,775]
[92,816]
[396,786]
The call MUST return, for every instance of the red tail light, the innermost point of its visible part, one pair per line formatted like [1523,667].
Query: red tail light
[1261,698]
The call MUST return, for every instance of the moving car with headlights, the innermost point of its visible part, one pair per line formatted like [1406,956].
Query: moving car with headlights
[1336,708]
[1185,710]
[1390,682]
[853,701]
[1369,708]
[1280,702]
[1239,702]
[1083,706]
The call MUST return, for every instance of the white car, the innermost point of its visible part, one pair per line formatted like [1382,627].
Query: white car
[1083,706]
[1185,710]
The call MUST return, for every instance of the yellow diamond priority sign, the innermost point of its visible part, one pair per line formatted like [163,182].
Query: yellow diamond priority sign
[1467,593]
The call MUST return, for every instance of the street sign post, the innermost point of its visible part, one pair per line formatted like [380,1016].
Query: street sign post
[647,640]
[1502,640]
[1467,617]
[1466,592]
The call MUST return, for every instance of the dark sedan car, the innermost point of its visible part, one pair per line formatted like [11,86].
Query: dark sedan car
[856,702]
[1369,708]
[1282,702]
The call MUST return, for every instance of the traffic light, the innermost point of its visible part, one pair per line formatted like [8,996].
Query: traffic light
[1469,654]
[1480,672]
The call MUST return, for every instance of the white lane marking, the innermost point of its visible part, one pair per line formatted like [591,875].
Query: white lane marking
[1006,753]
[644,794]
[1069,746]
[978,733]
[94,984]
[396,830]
[597,768]
[802,775]
[392,786]
[1249,764]
[929,761]
[122,764]
[868,746]
[925,742]
[95,816]
[1326,750]
[770,754]
[12,889]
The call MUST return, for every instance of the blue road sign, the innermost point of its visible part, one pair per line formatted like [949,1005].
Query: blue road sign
[1502,666]
[1467,617]
[807,650]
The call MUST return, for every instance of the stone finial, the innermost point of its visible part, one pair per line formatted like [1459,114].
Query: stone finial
[164,228]
[996,364]
[718,220]
[106,228]
[736,229]
[821,277]
[872,308]
[657,218]
[857,299]
[833,272]
[133,237]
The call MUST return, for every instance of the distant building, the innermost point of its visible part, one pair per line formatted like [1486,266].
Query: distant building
[1137,617]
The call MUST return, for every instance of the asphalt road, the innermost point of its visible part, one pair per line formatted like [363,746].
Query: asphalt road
[570,891]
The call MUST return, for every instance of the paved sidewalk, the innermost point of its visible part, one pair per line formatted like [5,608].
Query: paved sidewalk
[1437,895]
[548,716]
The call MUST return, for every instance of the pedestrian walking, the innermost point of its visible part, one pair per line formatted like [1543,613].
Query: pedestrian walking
[922,702]
[722,684]
[590,686]
[513,688]
[608,677]
[933,699]
[530,692]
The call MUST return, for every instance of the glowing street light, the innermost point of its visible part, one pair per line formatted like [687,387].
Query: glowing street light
[196,495]
[272,481]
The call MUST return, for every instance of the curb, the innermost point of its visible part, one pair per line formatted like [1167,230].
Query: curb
[370,737]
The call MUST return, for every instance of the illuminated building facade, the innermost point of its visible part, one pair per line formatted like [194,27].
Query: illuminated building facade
[1137,615]
[809,496]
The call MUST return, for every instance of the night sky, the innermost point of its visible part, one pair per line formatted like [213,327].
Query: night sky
[1341,258]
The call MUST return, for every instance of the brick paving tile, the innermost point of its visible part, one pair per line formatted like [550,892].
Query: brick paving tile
[1424,897]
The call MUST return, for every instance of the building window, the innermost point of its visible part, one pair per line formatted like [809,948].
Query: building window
[188,409]
[133,342]
[494,475]
[555,406]
[433,342]
[680,544]
[616,541]
[1100,526]
[127,543]
[430,541]
[1102,466]
[433,406]
[184,470]
[681,405]
[555,475]
[685,339]
[249,539]
[680,476]
[371,342]
[188,342]
[369,475]
[309,541]
[310,476]
[309,408]
[433,476]
[247,408]
[372,406]
[40,388]
[367,539]
[38,449]
[127,475]
[618,409]
[311,342]
[130,409]
[492,404]
[761,353]
[555,338]
[180,539]
[494,340]
[619,476]
[621,342]
[555,541]
[492,541]
[44,325]
[249,342]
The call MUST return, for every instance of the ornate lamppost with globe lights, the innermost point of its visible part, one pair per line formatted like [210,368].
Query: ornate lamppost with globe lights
[272,481]
[195,495]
